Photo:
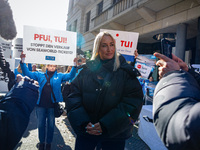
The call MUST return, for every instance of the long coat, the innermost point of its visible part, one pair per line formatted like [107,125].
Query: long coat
[113,98]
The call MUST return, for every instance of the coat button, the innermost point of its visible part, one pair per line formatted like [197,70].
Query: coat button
[96,89]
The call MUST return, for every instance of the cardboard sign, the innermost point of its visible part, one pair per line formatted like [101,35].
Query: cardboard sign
[47,46]
[126,42]
[6,46]
[143,69]
[18,47]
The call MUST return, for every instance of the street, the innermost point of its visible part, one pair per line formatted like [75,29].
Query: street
[64,137]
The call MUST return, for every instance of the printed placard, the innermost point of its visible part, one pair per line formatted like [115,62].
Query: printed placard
[47,46]
[126,42]
[18,47]
[6,47]
[143,69]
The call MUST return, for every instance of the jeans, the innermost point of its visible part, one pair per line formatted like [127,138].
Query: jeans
[46,123]
[84,143]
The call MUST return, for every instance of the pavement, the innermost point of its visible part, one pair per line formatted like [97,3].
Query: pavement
[64,136]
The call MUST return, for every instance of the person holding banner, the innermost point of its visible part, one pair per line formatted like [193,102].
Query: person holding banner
[45,104]
[106,98]
[176,104]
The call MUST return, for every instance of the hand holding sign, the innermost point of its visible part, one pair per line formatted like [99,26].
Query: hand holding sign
[22,56]
[136,53]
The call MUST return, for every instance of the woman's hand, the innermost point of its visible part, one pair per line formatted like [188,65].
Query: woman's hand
[22,56]
[76,60]
[136,53]
[94,129]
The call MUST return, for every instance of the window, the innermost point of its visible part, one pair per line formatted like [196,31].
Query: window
[100,8]
[87,21]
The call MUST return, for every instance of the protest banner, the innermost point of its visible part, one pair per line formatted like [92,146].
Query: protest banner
[143,69]
[17,47]
[126,42]
[6,47]
[47,46]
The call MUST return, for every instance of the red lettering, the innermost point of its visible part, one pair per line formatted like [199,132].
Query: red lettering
[36,36]
[122,43]
[126,44]
[42,37]
[131,45]
[60,39]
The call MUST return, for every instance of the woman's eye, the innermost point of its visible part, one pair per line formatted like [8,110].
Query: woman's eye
[111,44]
[104,45]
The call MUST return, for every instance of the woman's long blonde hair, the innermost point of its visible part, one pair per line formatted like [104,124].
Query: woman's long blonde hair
[96,46]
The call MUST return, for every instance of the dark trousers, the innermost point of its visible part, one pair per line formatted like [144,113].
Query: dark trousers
[83,143]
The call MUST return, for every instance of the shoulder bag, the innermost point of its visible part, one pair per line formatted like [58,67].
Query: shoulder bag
[58,108]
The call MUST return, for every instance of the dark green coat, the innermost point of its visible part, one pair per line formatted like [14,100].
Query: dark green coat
[100,94]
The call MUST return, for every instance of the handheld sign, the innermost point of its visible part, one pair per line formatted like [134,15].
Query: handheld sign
[47,46]
[18,47]
[6,47]
[126,42]
[143,69]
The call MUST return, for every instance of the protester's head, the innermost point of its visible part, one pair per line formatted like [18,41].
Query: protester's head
[51,68]
[105,49]
[151,79]
[34,67]
[69,68]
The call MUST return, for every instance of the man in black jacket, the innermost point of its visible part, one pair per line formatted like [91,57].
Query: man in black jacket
[176,104]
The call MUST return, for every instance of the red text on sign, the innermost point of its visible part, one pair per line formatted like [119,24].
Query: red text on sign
[60,39]
[42,37]
[126,44]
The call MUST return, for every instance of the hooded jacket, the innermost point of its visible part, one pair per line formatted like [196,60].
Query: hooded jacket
[99,94]
[55,81]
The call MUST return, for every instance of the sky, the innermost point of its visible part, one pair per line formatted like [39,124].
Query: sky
[51,14]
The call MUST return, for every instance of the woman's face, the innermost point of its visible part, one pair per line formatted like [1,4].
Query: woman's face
[106,48]
[51,68]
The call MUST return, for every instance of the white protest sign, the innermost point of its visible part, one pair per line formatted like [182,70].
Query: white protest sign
[18,47]
[126,42]
[143,69]
[47,46]
[6,46]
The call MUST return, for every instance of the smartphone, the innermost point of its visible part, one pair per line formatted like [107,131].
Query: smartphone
[166,48]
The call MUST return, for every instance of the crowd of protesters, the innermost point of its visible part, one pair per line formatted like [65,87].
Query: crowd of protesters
[103,100]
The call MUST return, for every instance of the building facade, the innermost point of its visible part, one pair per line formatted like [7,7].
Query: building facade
[147,17]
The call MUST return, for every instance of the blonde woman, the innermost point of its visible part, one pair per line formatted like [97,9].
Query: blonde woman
[106,98]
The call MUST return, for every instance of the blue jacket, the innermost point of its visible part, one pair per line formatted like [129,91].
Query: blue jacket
[55,81]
